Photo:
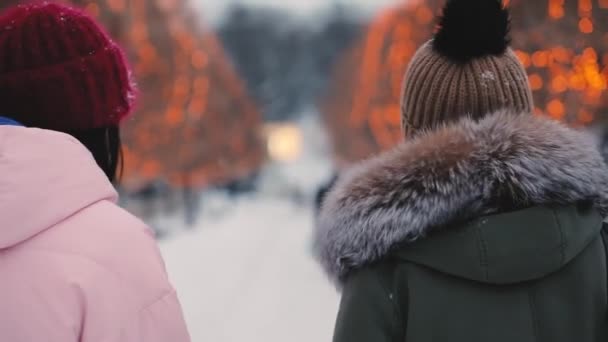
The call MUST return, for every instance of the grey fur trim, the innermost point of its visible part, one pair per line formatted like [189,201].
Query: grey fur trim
[457,172]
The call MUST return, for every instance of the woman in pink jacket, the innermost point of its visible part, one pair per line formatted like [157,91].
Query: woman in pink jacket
[73,265]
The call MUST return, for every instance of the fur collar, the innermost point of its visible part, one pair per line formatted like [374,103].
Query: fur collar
[457,172]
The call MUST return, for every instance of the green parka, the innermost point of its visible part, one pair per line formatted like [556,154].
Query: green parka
[480,231]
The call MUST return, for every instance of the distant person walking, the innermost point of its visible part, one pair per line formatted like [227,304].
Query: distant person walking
[486,225]
[74,267]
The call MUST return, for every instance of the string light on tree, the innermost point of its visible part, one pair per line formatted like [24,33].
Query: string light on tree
[563,45]
[195,124]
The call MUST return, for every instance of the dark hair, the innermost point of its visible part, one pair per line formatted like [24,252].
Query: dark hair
[105,145]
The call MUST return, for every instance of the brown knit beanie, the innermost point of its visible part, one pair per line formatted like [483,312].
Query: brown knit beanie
[468,69]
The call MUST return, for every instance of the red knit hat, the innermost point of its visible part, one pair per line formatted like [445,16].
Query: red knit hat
[59,70]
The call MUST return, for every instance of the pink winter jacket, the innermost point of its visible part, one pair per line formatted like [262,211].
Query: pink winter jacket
[73,265]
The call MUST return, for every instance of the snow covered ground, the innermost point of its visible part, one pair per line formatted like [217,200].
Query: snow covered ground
[245,272]
[249,276]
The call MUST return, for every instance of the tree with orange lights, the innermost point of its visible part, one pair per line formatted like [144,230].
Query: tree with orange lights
[362,109]
[562,43]
[195,125]
[564,46]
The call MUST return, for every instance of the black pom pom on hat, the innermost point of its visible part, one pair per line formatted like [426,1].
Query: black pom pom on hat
[470,29]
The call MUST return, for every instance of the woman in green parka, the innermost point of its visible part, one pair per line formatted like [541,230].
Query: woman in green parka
[486,224]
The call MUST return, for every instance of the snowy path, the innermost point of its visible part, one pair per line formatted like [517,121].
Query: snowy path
[249,277]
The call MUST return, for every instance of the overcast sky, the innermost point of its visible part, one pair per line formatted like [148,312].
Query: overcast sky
[212,10]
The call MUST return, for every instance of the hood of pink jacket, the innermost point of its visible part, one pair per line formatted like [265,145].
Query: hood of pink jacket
[46,178]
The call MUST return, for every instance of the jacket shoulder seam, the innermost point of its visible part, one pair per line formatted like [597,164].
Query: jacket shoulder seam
[534,315]
[164,295]
[102,268]
[390,295]
[483,254]
[562,240]
[62,253]
[401,315]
